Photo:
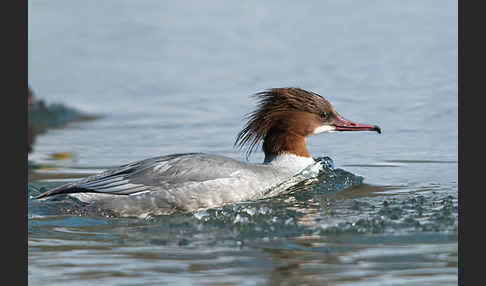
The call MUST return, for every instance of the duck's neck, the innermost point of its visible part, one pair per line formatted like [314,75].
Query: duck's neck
[279,141]
[286,150]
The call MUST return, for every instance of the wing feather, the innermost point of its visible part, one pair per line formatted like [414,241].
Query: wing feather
[119,181]
[152,174]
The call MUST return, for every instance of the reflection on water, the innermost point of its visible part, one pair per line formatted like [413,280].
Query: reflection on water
[31,130]
[31,134]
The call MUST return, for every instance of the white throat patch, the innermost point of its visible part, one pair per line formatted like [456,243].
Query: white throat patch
[324,128]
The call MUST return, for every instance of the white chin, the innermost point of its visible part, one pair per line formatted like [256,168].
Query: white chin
[324,128]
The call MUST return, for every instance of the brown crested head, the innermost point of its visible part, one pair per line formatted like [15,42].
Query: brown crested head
[285,117]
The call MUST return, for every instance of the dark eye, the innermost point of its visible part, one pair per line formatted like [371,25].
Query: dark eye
[324,115]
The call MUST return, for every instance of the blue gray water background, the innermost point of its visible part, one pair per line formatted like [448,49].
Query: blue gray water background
[173,77]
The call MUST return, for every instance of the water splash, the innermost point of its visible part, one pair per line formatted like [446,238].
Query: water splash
[320,177]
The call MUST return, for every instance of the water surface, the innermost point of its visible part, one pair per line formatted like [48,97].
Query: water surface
[176,77]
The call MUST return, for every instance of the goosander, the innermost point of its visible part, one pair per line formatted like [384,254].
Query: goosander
[283,120]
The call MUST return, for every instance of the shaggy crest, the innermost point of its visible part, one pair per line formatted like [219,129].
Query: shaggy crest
[274,105]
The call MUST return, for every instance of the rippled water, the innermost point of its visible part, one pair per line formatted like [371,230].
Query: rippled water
[169,77]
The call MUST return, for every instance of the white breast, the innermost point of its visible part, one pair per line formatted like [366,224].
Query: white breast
[291,162]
